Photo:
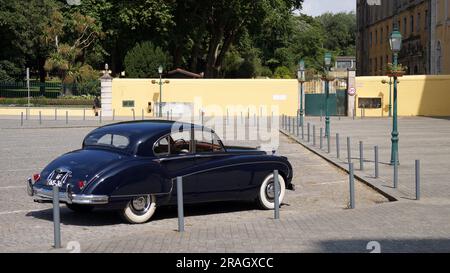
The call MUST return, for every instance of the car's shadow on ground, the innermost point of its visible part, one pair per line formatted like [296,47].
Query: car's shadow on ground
[104,217]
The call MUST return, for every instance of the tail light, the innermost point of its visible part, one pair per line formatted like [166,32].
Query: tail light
[36,177]
[81,184]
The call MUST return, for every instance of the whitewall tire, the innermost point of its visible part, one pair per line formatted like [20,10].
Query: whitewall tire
[139,210]
[266,197]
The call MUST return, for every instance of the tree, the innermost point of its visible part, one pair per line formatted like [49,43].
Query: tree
[68,58]
[341,32]
[143,60]
[25,31]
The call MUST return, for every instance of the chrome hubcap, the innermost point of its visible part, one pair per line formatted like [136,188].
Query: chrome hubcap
[270,190]
[140,204]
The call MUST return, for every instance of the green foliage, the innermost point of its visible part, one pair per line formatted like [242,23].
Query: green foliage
[41,101]
[282,72]
[341,32]
[143,60]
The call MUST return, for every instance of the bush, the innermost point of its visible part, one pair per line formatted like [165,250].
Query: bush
[143,60]
[282,72]
[41,101]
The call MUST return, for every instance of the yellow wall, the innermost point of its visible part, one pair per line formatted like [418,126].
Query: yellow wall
[249,93]
[417,95]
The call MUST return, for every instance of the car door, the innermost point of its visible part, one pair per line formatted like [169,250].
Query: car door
[217,178]
[174,154]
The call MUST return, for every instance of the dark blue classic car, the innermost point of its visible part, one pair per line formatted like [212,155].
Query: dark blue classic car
[132,167]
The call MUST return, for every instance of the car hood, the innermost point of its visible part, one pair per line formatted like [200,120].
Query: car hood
[83,164]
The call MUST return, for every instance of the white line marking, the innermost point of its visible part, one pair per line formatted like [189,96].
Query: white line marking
[329,183]
[12,187]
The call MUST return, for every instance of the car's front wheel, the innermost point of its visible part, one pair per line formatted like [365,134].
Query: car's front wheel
[266,195]
[139,210]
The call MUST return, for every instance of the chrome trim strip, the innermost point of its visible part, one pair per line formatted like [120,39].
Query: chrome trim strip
[83,199]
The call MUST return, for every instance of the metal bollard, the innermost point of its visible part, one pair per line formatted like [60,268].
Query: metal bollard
[84,114]
[308,132]
[167,115]
[56,218]
[321,138]
[352,185]
[314,135]
[180,204]
[56,114]
[298,127]
[114,114]
[67,117]
[417,179]
[142,114]
[171,114]
[276,189]
[21,119]
[40,118]
[100,117]
[303,132]
[361,155]
[377,174]
[349,153]
[328,144]
[321,114]
[338,149]
[134,114]
[395,171]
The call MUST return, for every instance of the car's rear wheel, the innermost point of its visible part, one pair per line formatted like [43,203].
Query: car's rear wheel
[139,210]
[266,195]
[80,208]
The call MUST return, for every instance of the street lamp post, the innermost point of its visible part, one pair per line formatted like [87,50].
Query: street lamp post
[327,79]
[395,44]
[301,79]
[160,83]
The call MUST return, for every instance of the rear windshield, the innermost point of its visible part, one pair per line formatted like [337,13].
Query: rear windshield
[107,140]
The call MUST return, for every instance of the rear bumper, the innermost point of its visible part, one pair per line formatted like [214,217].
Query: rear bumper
[44,195]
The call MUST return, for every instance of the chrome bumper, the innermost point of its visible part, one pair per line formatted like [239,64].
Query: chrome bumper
[45,195]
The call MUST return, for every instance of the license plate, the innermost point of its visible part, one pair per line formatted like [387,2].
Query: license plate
[58,178]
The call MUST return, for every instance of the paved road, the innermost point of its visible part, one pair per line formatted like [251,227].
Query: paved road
[314,218]
[426,139]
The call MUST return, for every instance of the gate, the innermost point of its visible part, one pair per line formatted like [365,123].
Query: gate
[337,104]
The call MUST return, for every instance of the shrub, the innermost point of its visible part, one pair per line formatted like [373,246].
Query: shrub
[143,60]
[282,72]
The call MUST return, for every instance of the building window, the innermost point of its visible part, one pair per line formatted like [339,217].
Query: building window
[376,37]
[405,22]
[376,66]
[381,65]
[438,58]
[370,66]
[411,23]
[381,36]
[387,59]
[128,103]
[370,39]
[418,21]
[425,26]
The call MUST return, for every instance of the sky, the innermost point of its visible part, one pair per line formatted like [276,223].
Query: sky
[318,7]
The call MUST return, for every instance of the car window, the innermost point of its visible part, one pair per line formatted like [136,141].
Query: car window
[180,142]
[110,140]
[162,147]
[207,141]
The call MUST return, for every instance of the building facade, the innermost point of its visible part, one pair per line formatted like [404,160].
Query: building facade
[424,25]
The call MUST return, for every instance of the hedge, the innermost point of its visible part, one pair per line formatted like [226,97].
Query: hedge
[40,101]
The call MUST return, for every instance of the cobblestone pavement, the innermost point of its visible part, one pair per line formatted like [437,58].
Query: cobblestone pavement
[313,219]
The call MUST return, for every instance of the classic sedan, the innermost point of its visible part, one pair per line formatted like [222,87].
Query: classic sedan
[132,167]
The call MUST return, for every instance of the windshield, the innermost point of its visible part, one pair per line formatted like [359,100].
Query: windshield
[107,140]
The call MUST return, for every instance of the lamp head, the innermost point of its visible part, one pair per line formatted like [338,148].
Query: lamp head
[160,69]
[327,59]
[301,65]
[395,41]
